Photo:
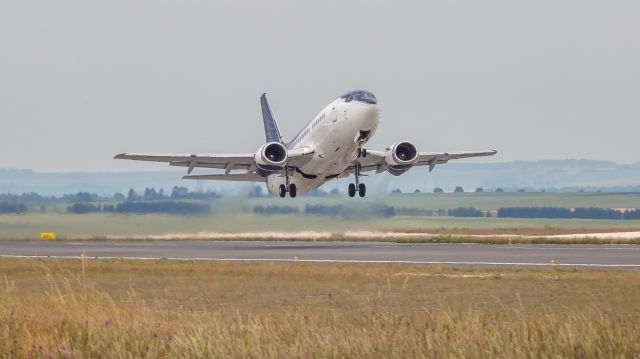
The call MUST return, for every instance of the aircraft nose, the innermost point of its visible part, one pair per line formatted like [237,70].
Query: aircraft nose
[368,117]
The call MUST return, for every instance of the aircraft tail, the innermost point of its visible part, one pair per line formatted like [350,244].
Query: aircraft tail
[271,130]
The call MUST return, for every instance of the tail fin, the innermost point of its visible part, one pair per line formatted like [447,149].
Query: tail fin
[271,130]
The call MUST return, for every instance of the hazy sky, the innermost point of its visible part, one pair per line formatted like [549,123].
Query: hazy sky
[83,80]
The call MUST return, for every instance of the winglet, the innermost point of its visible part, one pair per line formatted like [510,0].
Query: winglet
[271,130]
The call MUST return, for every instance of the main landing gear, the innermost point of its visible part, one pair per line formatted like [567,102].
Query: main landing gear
[289,187]
[292,190]
[357,187]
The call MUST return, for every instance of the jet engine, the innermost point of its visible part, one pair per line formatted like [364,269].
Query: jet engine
[270,158]
[401,157]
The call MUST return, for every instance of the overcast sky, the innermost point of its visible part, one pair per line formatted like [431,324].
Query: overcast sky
[83,80]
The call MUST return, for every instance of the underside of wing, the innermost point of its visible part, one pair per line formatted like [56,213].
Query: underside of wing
[239,177]
[227,162]
[375,160]
[433,158]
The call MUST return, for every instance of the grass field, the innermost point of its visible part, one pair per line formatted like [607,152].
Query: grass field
[482,201]
[234,215]
[199,309]
[96,225]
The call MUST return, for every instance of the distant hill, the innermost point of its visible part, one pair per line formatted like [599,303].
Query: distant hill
[550,175]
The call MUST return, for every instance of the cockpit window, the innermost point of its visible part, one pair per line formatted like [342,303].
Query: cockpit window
[360,95]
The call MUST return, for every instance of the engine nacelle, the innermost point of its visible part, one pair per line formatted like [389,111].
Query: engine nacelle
[401,157]
[270,158]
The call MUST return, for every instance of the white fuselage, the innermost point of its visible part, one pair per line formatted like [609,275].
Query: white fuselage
[334,135]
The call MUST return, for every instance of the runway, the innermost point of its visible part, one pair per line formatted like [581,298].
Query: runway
[487,255]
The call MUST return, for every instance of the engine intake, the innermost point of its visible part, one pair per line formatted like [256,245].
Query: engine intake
[401,157]
[270,158]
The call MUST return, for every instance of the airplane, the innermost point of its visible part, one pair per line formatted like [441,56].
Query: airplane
[332,145]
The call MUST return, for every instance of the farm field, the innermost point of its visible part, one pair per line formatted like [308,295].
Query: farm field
[85,308]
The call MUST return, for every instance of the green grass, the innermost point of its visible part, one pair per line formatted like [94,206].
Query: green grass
[168,309]
[96,225]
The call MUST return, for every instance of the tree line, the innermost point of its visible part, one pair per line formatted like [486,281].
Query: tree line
[326,210]
[165,207]
[575,213]
[12,208]
[379,210]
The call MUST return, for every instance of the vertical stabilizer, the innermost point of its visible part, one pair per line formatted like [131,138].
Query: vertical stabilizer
[271,130]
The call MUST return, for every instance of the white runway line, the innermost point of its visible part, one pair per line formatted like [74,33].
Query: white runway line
[555,264]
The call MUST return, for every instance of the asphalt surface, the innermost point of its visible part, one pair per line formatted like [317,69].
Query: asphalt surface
[355,252]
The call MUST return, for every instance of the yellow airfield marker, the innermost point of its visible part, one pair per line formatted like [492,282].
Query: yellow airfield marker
[48,236]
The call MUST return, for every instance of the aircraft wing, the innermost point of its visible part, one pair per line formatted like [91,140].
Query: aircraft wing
[375,159]
[227,162]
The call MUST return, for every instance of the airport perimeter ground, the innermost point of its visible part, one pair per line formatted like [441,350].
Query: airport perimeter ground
[164,308]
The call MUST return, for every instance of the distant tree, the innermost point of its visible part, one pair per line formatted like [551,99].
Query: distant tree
[119,197]
[132,196]
[83,208]
[458,189]
[499,190]
[179,192]
[149,193]
[521,190]
[86,196]
[16,208]
[152,194]
[465,212]
[479,189]
[396,191]
[417,191]
[170,207]
[438,190]
[334,192]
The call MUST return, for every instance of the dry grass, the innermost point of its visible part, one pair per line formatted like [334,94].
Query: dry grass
[194,309]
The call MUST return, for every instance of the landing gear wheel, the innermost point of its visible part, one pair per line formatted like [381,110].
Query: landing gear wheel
[362,189]
[292,190]
[283,191]
[352,190]
[364,152]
